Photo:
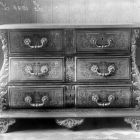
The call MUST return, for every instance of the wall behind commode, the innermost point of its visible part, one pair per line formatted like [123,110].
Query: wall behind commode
[70,12]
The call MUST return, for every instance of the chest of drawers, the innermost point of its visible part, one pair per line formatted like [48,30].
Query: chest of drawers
[69,73]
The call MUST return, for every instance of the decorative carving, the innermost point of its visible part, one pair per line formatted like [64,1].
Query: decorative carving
[3,100]
[70,69]
[69,122]
[135,71]
[5,123]
[70,96]
[111,70]
[27,41]
[70,47]
[4,72]
[134,121]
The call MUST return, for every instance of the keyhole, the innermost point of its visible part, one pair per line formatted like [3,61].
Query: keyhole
[102,38]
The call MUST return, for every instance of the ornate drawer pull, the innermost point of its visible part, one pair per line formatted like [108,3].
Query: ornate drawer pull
[102,46]
[111,70]
[43,70]
[27,42]
[95,98]
[28,100]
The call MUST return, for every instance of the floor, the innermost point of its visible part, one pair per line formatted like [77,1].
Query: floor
[91,129]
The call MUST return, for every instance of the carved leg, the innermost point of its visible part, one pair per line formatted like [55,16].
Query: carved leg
[5,123]
[69,122]
[134,121]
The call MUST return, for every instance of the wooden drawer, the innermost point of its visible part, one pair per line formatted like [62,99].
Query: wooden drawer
[36,41]
[35,97]
[102,68]
[30,69]
[103,40]
[89,96]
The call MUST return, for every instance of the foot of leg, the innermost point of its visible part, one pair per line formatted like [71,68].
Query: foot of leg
[69,122]
[134,121]
[5,123]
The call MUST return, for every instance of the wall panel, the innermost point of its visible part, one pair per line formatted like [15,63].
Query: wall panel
[2,8]
[12,14]
[109,12]
[60,11]
[70,11]
[136,11]
[76,11]
[44,14]
[27,12]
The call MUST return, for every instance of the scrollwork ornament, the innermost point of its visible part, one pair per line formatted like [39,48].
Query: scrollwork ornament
[70,96]
[5,123]
[135,71]
[3,100]
[69,122]
[70,69]
[4,70]
[134,121]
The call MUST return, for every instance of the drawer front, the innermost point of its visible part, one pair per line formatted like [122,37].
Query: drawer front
[34,41]
[89,96]
[35,97]
[103,40]
[102,69]
[30,69]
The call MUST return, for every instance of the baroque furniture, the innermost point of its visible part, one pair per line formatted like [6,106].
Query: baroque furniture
[69,72]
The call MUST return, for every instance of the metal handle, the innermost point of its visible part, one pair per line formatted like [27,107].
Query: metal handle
[111,70]
[27,42]
[28,100]
[43,70]
[95,98]
[102,46]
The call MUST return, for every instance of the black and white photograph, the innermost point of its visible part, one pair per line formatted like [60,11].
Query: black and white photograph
[69,69]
